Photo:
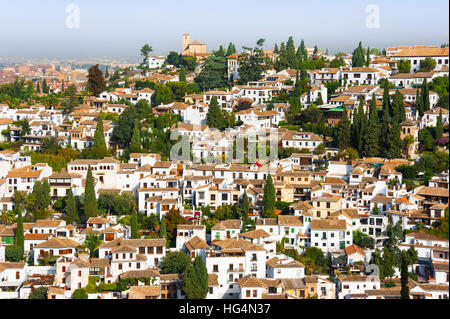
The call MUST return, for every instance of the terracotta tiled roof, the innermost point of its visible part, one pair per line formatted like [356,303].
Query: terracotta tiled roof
[352,249]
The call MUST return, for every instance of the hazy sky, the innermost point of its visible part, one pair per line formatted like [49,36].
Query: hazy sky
[119,28]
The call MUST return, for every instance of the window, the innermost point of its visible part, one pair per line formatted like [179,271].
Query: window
[247,293]
[255,293]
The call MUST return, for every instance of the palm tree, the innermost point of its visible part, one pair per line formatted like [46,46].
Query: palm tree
[7,217]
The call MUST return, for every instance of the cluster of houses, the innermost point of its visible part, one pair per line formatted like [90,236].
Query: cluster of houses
[328,200]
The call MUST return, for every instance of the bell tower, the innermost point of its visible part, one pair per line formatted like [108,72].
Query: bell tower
[186,42]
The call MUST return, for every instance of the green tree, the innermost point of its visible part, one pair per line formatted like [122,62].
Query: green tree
[173,58]
[427,65]
[252,63]
[425,97]
[92,242]
[99,135]
[290,52]
[358,56]
[134,226]
[419,106]
[135,146]
[231,49]
[182,75]
[90,201]
[213,73]
[394,141]
[404,66]
[195,280]
[398,106]
[269,198]
[439,128]
[20,240]
[145,52]
[13,253]
[162,229]
[123,130]
[214,117]
[367,57]
[172,219]
[372,147]
[45,88]
[276,49]
[38,293]
[96,82]
[71,208]
[245,206]
[80,294]
[344,131]
[388,262]
[404,292]
[175,263]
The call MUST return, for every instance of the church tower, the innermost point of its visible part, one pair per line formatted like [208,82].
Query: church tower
[186,42]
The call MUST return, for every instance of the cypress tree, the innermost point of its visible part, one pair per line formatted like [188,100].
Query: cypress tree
[245,206]
[302,48]
[38,88]
[316,50]
[90,201]
[368,57]
[439,128]
[363,131]
[269,198]
[190,288]
[201,277]
[384,132]
[182,75]
[387,101]
[282,61]
[276,50]
[134,226]
[425,96]
[214,117]
[96,82]
[20,239]
[372,147]
[398,106]
[135,145]
[404,292]
[356,123]
[344,131]
[231,49]
[162,228]
[45,87]
[320,100]
[46,199]
[99,135]
[394,142]
[419,107]
[71,208]
[358,56]
[290,52]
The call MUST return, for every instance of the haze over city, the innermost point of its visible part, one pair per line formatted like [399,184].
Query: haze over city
[118,29]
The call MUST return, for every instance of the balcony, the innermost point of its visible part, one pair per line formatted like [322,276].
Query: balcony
[241,269]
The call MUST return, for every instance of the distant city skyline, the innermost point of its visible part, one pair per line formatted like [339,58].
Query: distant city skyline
[116,29]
